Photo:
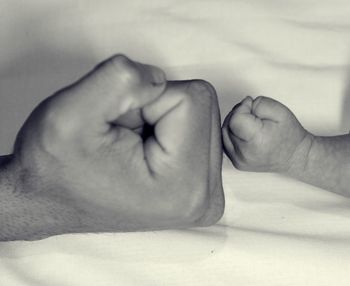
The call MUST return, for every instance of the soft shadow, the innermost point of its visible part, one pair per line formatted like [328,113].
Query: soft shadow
[345,116]
[330,238]
[321,26]
[36,62]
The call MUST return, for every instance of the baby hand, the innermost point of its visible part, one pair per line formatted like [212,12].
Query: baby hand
[262,135]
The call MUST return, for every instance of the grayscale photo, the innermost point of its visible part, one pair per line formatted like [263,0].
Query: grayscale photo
[172,142]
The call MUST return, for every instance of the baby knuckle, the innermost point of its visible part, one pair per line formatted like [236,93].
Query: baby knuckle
[285,114]
[257,103]
[261,99]
[236,122]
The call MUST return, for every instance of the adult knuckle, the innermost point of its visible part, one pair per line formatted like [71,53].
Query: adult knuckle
[124,69]
[120,61]
[216,209]
[200,203]
[51,114]
[250,159]
[56,121]
[238,164]
[201,89]
[194,204]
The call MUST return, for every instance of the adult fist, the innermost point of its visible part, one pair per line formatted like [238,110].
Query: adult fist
[125,150]
[262,135]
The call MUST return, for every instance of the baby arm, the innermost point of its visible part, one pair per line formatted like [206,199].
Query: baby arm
[263,135]
[327,164]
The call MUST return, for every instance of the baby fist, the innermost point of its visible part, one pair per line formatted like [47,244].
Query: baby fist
[262,135]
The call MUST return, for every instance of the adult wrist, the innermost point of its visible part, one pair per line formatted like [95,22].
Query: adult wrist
[29,214]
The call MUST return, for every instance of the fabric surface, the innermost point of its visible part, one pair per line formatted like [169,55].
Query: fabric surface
[275,231]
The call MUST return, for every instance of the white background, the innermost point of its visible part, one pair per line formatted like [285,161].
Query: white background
[275,231]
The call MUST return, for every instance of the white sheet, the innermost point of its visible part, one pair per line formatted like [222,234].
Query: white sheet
[275,231]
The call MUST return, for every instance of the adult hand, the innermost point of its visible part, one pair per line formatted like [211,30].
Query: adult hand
[122,150]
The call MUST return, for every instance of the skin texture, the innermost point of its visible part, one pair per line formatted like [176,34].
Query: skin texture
[263,135]
[120,150]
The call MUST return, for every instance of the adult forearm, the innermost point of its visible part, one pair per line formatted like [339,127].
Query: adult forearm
[324,162]
[26,214]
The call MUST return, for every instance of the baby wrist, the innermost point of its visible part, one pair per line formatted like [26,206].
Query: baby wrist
[298,164]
